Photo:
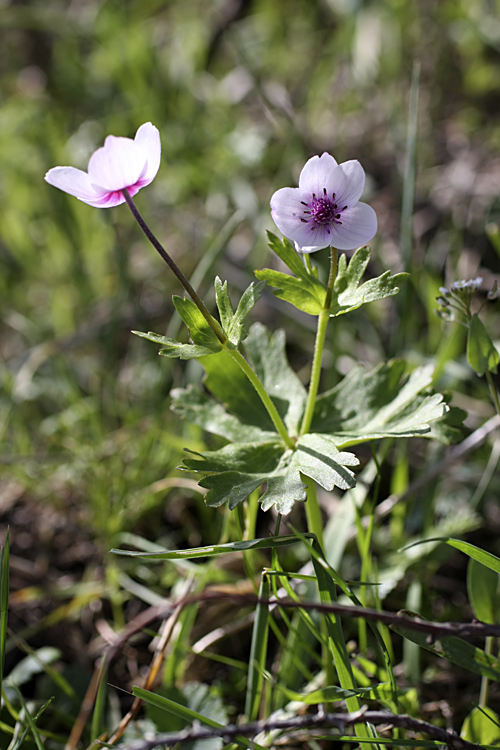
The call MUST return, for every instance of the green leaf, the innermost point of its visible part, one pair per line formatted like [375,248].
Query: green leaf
[348,295]
[287,253]
[457,651]
[308,294]
[172,348]
[482,586]
[475,553]
[224,305]
[236,331]
[217,549]
[199,330]
[303,290]
[376,404]
[481,726]
[235,470]
[201,409]
[318,457]
[448,428]
[481,352]
[328,694]
[228,383]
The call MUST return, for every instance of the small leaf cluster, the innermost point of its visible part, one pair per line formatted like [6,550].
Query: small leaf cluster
[306,292]
[204,338]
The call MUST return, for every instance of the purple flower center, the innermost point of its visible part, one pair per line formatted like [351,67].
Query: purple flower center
[322,211]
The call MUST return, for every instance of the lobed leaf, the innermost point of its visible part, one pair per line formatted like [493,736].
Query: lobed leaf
[377,404]
[235,470]
[232,322]
[348,295]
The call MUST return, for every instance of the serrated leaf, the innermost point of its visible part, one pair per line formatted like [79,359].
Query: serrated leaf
[481,352]
[234,471]
[199,330]
[448,428]
[318,457]
[308,294]
[348,295]
[201,409]
[377,404]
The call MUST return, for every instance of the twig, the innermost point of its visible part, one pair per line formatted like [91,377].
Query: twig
[310,721]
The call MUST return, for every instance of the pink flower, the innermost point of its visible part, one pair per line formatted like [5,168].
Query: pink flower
[122,163]
[325,210]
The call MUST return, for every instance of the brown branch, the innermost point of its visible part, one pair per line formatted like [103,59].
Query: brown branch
[320,721]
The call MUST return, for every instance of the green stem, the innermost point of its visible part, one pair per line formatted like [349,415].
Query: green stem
[319,345]
[313,511]
[264,396]
[483,695]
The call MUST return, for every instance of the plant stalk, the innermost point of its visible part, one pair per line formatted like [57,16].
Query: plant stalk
[319,345]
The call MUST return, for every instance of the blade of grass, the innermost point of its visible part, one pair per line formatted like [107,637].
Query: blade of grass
[98,716]
[476,553]
[216,549]
[258,652]
[4,602]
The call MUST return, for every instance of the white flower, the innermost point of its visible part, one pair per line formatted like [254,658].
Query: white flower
[122,163]
[325,209]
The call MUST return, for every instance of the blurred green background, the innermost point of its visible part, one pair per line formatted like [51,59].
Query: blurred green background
[243,92]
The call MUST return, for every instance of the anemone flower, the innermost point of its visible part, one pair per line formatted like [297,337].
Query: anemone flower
[325,209]
[122,163]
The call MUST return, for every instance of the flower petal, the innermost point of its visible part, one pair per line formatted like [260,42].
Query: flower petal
[316,173]
[359,225]
[348,191]
[287,212]
[148,139]
[72,181]
[118,164]
[316,238]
